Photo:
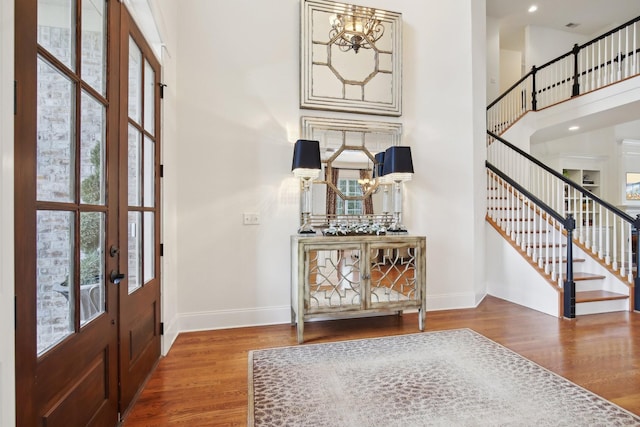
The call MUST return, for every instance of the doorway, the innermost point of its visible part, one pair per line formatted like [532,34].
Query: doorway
[86,212]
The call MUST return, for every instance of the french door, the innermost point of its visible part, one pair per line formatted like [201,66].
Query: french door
[86,213]
[139,194]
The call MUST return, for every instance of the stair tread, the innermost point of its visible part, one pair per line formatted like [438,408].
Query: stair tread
[592,296]
[579,275]
[564,260]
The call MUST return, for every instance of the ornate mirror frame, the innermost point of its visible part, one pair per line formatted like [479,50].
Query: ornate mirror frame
[337,136]
[347,65]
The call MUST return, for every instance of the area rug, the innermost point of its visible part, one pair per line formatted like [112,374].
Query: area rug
[447,378]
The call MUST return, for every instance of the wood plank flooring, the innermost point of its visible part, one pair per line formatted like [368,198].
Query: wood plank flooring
[203,379]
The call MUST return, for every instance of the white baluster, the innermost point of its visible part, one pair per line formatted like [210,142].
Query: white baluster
[619,71]
[623,236]
[614,244]
[630,257]
[539,251]
[553,251]
[599,220]
[626,52]
[635,54]
[599,63]
[527,205]
[592,223]
[607,258]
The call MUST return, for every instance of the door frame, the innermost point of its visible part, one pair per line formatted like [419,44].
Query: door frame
[7,277]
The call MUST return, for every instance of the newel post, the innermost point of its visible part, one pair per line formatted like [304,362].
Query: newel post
[569,301]
[534,100]
[575,90]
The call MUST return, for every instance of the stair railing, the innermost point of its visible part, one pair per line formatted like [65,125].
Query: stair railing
[536,228]
[599,226]
[607,59]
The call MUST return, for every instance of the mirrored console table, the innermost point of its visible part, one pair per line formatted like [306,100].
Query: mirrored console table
[342,276]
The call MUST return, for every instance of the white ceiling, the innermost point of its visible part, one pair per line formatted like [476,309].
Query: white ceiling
[593,16]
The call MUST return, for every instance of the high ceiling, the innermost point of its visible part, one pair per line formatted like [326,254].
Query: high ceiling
[592,16]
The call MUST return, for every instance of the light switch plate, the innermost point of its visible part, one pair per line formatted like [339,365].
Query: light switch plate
[251,218]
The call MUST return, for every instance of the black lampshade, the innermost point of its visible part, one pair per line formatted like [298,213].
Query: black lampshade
[377,168]
[306,156]
[397,160]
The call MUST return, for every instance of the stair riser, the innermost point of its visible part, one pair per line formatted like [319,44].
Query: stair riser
[588,285]
[601,307]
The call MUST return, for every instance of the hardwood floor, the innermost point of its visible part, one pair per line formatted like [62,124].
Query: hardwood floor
[203,379]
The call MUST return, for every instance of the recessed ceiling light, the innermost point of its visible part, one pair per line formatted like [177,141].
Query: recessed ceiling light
[533,8]
[574,128]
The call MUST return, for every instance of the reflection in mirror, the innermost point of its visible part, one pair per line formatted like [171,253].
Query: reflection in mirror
[347,190]
[351,58]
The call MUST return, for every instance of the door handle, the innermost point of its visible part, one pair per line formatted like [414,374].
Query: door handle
[116,277]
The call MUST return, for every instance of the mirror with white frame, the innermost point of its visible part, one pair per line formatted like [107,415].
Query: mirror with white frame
[350,58]
[347,189]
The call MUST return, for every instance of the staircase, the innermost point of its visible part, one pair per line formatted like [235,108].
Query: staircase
[542,241]
[588,261]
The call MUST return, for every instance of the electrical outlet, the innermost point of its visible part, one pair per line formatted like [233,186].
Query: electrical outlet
[251,218]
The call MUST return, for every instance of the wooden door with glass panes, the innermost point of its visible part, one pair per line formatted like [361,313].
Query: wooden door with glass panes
[65,213]
[139,211]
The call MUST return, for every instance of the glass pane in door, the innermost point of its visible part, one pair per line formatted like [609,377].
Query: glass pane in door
[149,246]
[149,172]
[149,97]
[135,250]
[57,28]
[135,81]
[54,277]
[93,64]
[134,166]
[55,135]
[92,234]
[92,150]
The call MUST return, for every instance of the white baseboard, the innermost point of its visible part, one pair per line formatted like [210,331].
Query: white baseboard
[452,301]
[225,319]
[171,332]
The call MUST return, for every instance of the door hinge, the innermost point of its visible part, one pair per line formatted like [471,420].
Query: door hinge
[161,171]
[15,97]
[162,86]
[15,312]
[161,328]
[161,249]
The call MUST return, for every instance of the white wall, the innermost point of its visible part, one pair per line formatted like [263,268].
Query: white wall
[494,63]
[7,348]
[510,68]
[479,118]
[544,44]
[506,269]
[238,116]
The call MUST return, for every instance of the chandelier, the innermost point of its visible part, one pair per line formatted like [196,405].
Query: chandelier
[359,29]
[366,184]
